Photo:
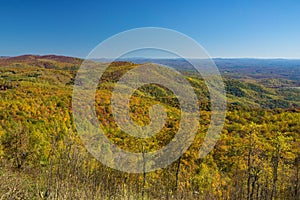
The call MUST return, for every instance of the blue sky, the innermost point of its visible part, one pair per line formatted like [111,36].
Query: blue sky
[225,28]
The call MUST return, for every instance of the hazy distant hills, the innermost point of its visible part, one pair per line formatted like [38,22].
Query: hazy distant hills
[235,68]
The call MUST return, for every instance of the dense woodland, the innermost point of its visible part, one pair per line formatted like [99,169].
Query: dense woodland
[42,157]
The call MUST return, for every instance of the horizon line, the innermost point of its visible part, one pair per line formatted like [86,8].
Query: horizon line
[217,57]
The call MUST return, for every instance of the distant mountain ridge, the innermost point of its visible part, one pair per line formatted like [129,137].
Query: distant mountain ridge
[240,68]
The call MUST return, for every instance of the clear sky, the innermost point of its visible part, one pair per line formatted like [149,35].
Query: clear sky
[225,28]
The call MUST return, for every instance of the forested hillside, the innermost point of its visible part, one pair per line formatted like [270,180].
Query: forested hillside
[42,157]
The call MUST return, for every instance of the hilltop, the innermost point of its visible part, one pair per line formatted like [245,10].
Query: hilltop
[46,61]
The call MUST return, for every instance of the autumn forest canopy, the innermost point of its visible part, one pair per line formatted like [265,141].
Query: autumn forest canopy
[256,157]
